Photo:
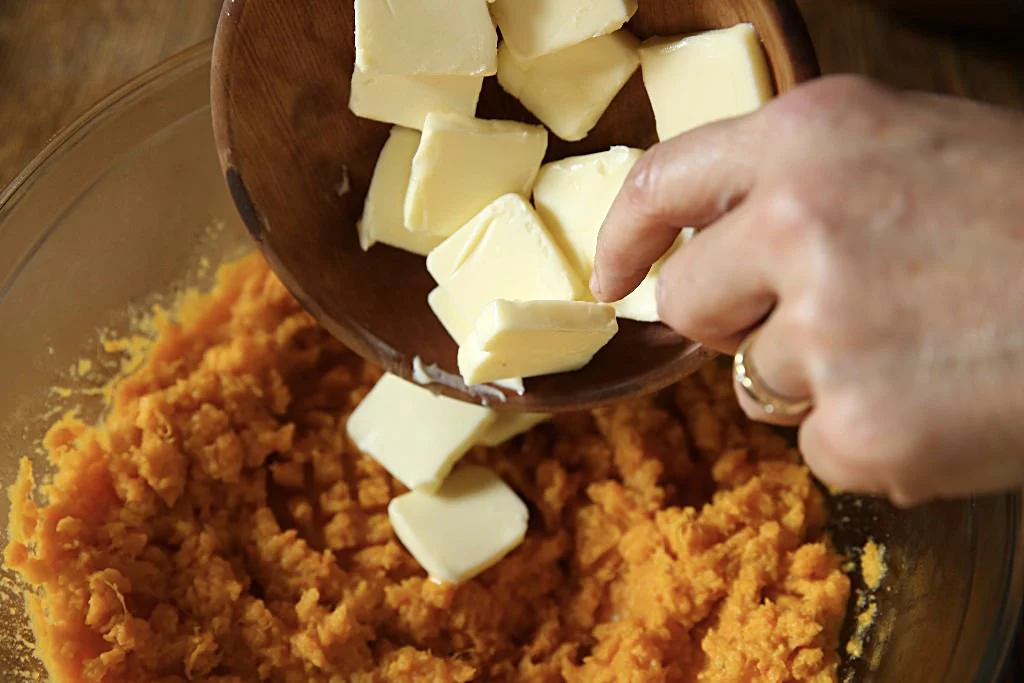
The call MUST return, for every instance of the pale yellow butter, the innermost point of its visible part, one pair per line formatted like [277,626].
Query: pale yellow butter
[472,522]
[406,100]
[510,425]
[382,219]
[699,79]
[458,327]
[534,28]
[435,432]
[464,164]
[570,90]
[642,303]
[505,252]
[413,37]
[456,324]
[573,197]
[532,338]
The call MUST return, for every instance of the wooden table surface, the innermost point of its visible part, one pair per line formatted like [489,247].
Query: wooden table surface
[57,57]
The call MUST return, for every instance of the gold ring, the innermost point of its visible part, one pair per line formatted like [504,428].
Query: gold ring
[769,401]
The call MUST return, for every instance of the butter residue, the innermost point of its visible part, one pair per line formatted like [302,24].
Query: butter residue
[866,616]
[872,567]
[429,375]
[872,564]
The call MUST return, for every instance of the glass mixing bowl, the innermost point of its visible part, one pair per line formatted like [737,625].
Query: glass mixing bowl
[126,206]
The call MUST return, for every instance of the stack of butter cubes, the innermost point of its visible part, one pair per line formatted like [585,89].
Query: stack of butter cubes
[512,276]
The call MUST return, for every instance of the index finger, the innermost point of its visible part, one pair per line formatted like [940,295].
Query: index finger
[687,181]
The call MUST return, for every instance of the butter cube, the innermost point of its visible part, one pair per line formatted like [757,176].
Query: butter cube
[573,197]
[510,425]
[570,90]
[531,338]
[699,79]
[464,164]
[414,434]
[413,37]
[505,252]
[382,219]
[533,28]
[642,303]
[456,324]
[472,522]
[406,100]
[458,327]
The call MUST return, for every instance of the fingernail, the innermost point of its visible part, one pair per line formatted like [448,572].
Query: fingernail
[595,285]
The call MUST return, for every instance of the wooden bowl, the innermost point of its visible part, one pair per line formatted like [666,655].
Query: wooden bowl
[298,164]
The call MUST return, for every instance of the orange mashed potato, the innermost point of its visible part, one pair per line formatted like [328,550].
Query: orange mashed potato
[220,527]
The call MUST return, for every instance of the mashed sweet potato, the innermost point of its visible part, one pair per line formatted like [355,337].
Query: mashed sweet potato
[220,527]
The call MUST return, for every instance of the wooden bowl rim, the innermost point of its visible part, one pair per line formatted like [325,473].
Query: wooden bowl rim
[802,59]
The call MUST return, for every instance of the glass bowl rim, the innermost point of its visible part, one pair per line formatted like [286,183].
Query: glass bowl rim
[116,100]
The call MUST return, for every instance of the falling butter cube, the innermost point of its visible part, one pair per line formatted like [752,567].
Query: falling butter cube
[570,90]
[382,219]
[510,425]
[432,434]
[505,252]
[406,100]
[464,164]
[699,79]
[466,527]
[533,28]
[531,338]
[412,37]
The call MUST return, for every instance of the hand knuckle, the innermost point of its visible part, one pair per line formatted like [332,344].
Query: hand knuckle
[864,434]
[825,95]
[841,89]
[856,427]
[674,311]
[835,454]
[841,102]
[689,321]
[792,212]
[812,326]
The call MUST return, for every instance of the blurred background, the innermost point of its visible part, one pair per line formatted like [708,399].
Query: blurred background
[58,57]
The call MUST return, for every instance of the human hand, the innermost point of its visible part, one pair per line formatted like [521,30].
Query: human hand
[876,241]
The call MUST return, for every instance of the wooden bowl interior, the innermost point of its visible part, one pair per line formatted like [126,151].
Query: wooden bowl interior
[298,164]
